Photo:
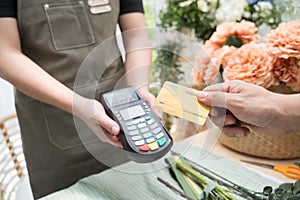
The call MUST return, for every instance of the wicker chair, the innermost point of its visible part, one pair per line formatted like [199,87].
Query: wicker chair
[12,162]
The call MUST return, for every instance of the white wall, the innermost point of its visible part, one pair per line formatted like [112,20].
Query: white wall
[7,101]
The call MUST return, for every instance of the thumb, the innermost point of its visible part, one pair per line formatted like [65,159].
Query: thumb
[214,98]
[109,124]
[104,120]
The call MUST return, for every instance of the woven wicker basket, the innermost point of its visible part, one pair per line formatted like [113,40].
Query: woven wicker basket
[278,147]
[273,147]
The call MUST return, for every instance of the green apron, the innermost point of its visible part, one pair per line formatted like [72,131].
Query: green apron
[58,35]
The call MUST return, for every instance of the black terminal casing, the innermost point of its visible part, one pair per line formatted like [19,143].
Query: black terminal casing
[129,110]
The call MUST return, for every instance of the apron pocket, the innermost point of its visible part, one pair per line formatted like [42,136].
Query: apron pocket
[69,25]
[62,131]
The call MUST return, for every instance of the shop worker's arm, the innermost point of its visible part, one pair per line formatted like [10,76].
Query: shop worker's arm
[32,80]
[138,52]
[24,74]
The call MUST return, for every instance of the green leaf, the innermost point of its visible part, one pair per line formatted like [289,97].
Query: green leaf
[297,163]
[187,169]
[296,188]
[166,62]
[267,190]
[192,172]
[280,193]
[285,191]
[293,198]
[286,186]
[184,181]
[233,40]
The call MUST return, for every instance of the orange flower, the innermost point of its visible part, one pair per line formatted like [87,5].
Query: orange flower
[197,77]
[219,53]
[288,72]
[250,63]
[285,40]
[244,30]
[206,71]
[222,55]
[284,44]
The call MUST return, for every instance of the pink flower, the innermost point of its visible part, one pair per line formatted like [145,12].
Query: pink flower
[222,55]
[288,72]
[197,77]
[250,63]
[244,30]
[285,40]
[206,71]
[219,53]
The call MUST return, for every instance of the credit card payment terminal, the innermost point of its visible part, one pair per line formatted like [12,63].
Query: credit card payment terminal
[142,134]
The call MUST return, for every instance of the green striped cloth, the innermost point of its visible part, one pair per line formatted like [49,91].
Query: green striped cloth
[139,181]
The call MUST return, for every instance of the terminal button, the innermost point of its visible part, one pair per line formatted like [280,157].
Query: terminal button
[153,146]
[144,148]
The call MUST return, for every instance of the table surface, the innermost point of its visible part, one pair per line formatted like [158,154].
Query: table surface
[204,136]
[206,139]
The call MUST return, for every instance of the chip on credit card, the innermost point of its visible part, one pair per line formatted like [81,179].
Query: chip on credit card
[182,102]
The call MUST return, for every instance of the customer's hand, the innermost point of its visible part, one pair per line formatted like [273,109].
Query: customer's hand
[93,114]
[249,107]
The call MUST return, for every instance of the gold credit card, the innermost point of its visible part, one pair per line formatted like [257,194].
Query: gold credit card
[181,101]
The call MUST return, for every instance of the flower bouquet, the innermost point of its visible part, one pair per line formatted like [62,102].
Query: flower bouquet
[272,61]
[236,50]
